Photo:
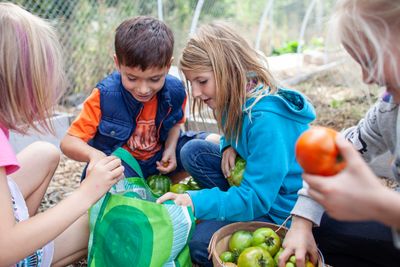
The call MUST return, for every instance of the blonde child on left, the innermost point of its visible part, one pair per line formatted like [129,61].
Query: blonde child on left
[31,81]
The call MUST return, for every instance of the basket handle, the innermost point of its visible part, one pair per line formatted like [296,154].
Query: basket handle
[284,223]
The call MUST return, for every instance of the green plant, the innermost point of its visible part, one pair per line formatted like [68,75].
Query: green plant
[290,47]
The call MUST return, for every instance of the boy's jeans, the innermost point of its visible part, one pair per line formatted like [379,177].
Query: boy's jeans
[202,159]
[149,166]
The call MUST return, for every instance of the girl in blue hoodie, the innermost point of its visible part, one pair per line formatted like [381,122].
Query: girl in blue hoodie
[260,122]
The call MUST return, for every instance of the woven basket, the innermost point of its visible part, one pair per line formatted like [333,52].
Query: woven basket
[220,239]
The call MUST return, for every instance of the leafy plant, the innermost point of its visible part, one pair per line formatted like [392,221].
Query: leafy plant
[290,47]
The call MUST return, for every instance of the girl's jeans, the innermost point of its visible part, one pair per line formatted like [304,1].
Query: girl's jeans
[202,159]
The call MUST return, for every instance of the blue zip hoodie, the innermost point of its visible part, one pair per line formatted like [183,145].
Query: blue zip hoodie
[272,176]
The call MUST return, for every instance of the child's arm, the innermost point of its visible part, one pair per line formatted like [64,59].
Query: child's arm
[299,241]
[371,134]
[355,194]
[84,127]
[76,149]
[18,240]
[168,160]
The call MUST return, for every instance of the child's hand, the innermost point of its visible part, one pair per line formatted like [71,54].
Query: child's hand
[352,193]
[94,157]
[299,241]
[179,199]
[228,161]
[105,173]
[168,162]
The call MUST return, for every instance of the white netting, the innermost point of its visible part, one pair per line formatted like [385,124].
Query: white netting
[86,27]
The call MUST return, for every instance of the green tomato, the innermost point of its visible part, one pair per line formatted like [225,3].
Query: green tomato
[290,264]
[239,241]
[179,188]
[292,259]
[267,239]
[255,257]
[227,256]
[237,174]
[159,184]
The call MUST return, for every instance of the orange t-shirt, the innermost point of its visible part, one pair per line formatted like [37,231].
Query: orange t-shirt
[144,142]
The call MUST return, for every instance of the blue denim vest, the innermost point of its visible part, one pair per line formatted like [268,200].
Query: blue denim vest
[120,111]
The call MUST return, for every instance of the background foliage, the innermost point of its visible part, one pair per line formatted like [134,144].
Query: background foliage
[86,27]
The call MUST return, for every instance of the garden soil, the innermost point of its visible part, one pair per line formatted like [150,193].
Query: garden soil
[340,101]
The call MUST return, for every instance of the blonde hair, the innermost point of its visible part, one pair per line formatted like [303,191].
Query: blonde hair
[218,48]
[368,28]
[31,69]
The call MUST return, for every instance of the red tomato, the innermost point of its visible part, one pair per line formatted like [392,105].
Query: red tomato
[317,153]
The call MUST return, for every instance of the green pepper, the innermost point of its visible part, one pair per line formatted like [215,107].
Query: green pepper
[193,184]
[159,184]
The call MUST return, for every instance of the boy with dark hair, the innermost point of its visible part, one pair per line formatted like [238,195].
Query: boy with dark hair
[138,107]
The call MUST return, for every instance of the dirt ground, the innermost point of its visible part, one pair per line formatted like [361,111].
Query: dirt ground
[339,100]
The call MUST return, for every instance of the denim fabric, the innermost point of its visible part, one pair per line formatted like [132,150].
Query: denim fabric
[358,244]
[149,166]
[118,107]
[202,159]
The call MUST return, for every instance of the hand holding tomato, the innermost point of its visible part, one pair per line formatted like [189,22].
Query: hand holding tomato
[352,194]
[317,153]
[168,162]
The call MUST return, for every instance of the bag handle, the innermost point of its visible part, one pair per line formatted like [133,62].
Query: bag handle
[127,157]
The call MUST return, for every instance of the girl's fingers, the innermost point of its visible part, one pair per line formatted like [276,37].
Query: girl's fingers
[113,163]
[117,172]
[232,162]
[166,197]
[225,167]
[106,160]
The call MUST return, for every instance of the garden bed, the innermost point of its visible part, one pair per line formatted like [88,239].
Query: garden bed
[339,101]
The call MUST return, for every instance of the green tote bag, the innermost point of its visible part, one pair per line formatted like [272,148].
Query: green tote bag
[127,227]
